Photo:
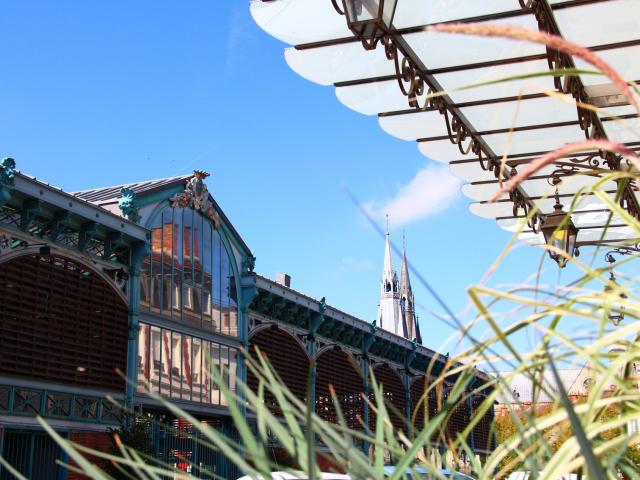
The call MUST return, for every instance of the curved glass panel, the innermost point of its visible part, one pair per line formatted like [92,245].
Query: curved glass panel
[338,63]
[189,275]
[299,22]
[411,126]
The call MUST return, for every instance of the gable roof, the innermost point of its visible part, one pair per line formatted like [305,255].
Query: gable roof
[111,195]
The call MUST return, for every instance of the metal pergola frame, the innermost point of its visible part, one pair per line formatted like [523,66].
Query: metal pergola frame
[415,79]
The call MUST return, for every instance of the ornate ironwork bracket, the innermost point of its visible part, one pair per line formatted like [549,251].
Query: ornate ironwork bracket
[30,211]
[87,231]
[59,224]
[114,241]
[588,120]
[423,93]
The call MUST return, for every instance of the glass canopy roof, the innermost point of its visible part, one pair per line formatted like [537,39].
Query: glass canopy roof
[487,133]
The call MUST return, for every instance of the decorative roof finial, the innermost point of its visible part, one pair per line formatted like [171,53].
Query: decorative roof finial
[201,174]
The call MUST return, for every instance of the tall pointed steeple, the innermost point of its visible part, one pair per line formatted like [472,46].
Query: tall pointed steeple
[389,315]
[406,297]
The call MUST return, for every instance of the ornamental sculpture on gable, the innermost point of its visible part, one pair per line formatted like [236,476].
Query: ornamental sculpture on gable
[128,205]
[7,171]
[7,178]
[196,196]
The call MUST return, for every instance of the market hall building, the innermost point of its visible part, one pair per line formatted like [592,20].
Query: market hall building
[151,279]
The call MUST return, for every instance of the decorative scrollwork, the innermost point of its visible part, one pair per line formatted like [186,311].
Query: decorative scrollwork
[338,9]
[629,203]
[522,208]
[591,160]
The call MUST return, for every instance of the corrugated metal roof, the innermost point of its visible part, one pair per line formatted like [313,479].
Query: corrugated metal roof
[108,195]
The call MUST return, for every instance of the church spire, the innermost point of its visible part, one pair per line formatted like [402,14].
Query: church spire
[389,315]
[406,296]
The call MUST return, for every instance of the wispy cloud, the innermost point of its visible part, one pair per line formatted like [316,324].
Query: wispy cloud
[238,33]
[349,264]
[431,191]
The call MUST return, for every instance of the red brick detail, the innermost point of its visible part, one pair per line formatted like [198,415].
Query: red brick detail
[100,441]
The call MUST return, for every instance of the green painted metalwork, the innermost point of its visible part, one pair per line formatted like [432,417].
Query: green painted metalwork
[248,292]
[27,401]
[59,224]
[128,205]
[139,250]
[31,208]
[87,231]
[114,241]
[7,179]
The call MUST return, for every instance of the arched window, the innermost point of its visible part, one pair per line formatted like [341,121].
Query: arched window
[189,275]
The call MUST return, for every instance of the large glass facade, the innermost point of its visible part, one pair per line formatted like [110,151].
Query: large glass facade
[179,366]
[189,276]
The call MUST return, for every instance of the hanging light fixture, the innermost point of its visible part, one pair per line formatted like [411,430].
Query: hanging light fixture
[617,315]
[559,232]
[369,20]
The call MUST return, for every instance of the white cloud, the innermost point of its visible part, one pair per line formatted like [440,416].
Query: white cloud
[431,191]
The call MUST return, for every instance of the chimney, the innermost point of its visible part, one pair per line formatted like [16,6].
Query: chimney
[283,279]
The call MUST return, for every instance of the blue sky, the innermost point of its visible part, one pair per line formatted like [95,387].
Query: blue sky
[100,93]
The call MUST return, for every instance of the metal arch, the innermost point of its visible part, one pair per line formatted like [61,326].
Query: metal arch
[68,255]
[389,366]
[285,329]
[343,348]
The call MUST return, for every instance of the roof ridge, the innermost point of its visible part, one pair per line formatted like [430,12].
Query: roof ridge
[123,185]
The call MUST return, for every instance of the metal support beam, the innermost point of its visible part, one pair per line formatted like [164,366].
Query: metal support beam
[86,233]
[248,292]
[59,224]
[114,241]
[139,250]
[30,211]
[367,343]
[408,359]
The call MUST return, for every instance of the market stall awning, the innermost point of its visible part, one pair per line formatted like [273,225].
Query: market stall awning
[473,129]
